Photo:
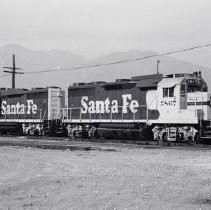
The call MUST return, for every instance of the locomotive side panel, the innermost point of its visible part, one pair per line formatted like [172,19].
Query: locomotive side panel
[24,105]
[38,104]
[111,101]
[41,101]
[75,96]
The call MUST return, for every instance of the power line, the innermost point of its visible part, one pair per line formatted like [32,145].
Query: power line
[121,61]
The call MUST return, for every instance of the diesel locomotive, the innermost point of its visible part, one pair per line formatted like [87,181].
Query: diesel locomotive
[174,107]
[32,112]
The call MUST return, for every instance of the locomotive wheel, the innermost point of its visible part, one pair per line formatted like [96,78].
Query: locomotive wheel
[36,133]
[74,134]
[164,137]
[85,134]
[96,134]
[93,133]
[197,138]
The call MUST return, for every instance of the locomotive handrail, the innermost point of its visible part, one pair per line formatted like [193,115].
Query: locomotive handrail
[57,114]
[67,114]
[74,114]
[40,114]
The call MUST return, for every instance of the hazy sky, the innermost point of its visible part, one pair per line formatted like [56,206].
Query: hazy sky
[95,27]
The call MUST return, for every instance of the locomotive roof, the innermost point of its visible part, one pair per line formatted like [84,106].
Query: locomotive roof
[174,79]
[156,77]
[19,91]
[103,84]
[144,81]
[170,82]
[141,81]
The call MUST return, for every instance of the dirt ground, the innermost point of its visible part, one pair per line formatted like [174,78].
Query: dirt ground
[129,178]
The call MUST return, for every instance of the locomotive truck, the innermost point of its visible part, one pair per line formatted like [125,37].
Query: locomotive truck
[174,107]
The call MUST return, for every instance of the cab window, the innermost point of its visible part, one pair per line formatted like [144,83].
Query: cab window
[171,92]
[165,92]
[168,92]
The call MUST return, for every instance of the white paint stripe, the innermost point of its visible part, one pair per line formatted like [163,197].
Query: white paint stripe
[22,120]
[132,121]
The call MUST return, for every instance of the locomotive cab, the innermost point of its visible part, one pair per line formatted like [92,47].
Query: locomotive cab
[184,106]
[182,93]
[172,101]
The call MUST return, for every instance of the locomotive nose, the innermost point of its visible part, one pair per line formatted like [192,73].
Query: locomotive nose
[206,101]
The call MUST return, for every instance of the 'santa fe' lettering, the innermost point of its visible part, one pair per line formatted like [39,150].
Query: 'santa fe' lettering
[108,106]
[21,109]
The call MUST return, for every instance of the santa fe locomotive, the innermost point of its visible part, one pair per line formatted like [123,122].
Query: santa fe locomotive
[175,107]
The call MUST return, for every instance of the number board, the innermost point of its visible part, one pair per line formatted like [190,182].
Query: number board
[191,81]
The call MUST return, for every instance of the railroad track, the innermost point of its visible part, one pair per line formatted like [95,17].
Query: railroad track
[62,143]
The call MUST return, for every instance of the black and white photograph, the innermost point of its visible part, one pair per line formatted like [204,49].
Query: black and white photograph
[105,104]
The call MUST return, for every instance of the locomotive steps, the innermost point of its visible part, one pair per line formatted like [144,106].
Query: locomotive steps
[206,135]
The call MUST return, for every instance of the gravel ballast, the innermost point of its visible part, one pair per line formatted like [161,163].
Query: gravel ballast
[32,178]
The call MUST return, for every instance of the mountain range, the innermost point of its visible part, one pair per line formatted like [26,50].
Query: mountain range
[32,61]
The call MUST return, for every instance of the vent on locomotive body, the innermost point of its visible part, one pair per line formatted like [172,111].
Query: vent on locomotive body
[37,88]
[78,84]
[97,82]
[123,80]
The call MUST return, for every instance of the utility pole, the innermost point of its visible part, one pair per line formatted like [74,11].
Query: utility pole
[13,71]
[158,62]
